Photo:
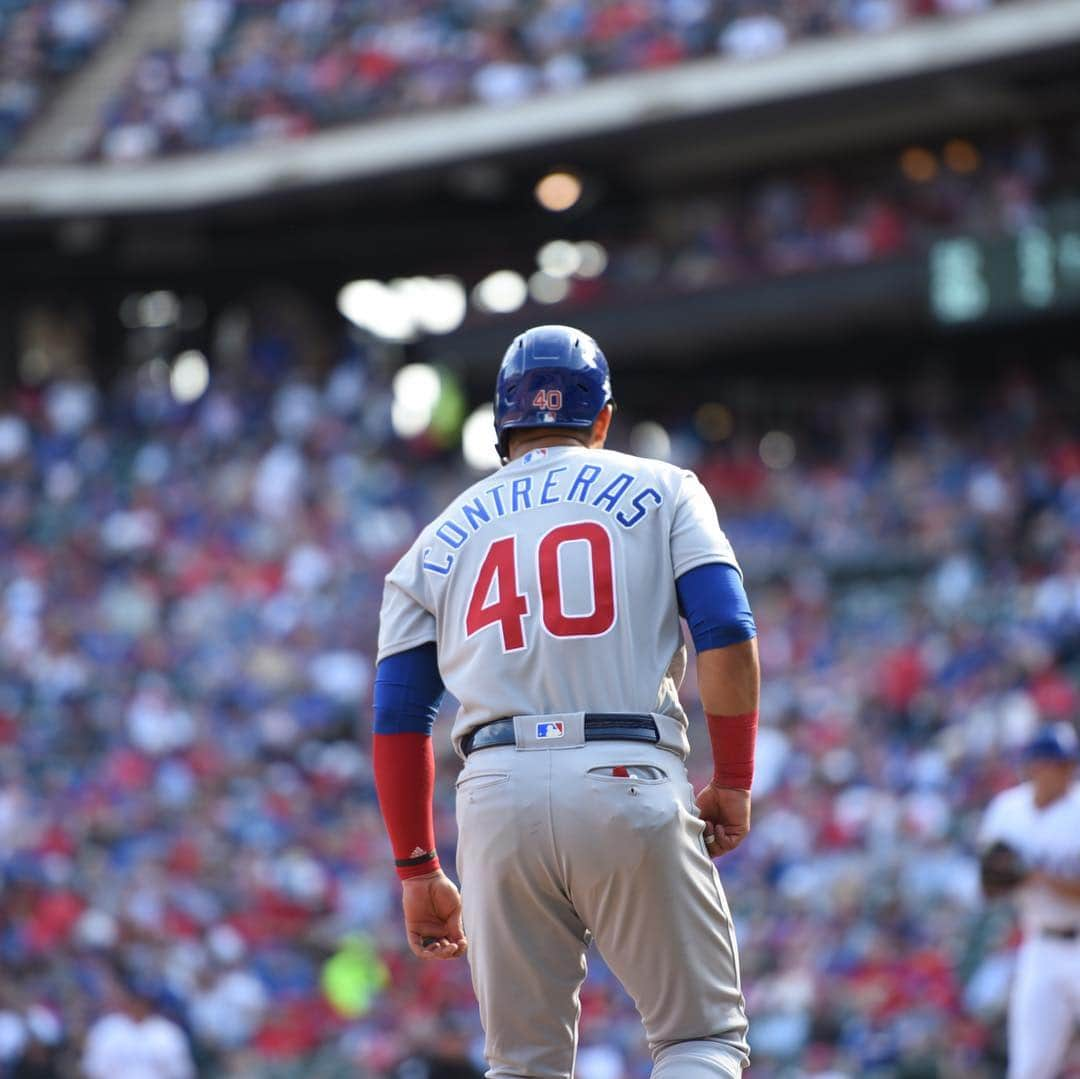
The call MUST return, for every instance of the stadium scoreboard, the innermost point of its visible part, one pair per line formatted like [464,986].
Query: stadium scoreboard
[1034,269]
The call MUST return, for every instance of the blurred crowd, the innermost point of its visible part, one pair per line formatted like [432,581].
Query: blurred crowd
[41,41]
[193,875]
[879,207]
[251,70]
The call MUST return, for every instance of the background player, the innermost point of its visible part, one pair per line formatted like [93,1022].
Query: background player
[1038,824]
[547,599]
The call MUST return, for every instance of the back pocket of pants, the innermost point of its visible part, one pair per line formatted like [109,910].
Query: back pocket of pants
[478,781]
[643,773]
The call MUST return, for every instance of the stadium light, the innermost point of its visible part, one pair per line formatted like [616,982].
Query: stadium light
[777,450]
[918,164]
[960,156]
[592,259]
[129,311]
[407,419]
[478,440]
[544,288]
[189,377]
[416,387]
[380,310]
[714,421]
[401,310]
[158,309]
[500,292]
[558,191]
[559,258]
[438,303]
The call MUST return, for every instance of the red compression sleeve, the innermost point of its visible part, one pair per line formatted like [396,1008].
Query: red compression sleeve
[733,739]
[404,766]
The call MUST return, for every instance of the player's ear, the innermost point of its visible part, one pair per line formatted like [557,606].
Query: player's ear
[600,427]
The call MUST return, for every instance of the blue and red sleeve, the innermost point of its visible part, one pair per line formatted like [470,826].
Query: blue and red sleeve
[408,691]
[713,601]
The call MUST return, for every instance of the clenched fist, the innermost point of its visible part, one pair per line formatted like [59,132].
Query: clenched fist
[726,813]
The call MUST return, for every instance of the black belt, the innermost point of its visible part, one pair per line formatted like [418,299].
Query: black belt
[1068,932]
[599,727]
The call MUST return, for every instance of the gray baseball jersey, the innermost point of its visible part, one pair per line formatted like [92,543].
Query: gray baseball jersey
[550,586]
[550,591]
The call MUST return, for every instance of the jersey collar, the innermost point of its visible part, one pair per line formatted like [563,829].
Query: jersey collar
[543,453]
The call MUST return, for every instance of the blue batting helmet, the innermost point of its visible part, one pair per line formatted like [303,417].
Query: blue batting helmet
[1054,742]
[551,376]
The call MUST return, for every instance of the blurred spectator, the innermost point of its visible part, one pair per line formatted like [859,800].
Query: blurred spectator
[251,70]
[134,1042]
[448,1060]
[40,42]
[185,653]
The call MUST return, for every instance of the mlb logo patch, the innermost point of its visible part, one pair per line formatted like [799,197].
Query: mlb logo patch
[550,729]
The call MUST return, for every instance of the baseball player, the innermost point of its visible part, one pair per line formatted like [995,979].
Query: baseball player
[546,598]
[1030,839]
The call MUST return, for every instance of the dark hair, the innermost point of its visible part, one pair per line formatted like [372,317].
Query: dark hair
[578,434]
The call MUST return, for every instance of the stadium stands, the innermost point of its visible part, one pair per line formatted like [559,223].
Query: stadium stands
[186,631]
[798,221]
[41,41]
[247,71]
[191,575]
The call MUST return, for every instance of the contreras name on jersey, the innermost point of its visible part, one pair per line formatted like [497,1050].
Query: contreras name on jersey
[619,494]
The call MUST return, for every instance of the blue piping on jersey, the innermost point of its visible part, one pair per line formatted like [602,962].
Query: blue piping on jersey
[713,601]
[408,691]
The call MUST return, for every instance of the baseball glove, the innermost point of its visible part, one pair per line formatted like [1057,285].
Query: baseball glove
[1001,869]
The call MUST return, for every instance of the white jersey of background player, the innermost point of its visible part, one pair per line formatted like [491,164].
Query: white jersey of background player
[1040,819]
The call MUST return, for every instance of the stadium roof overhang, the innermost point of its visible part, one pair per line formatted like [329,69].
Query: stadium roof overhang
[942,71]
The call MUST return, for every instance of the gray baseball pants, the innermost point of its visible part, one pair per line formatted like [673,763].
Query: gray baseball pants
[553,853]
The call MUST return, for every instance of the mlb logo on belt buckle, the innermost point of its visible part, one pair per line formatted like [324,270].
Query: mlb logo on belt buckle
[551,729]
